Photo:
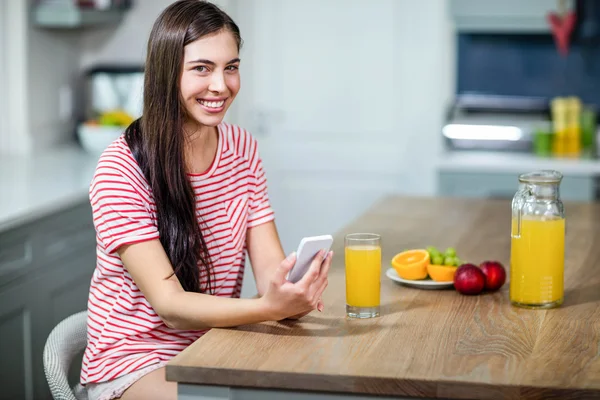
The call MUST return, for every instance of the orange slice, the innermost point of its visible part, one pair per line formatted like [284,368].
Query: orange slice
[411,264]
[441,273]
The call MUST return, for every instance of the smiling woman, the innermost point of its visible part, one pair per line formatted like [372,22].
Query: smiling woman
[177,202]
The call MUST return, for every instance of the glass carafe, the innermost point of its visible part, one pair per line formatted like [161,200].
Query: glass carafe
[537,254]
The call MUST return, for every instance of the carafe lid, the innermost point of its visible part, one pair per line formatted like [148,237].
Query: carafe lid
[541,177]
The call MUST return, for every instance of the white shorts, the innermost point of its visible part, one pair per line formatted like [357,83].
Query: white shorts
[115,388]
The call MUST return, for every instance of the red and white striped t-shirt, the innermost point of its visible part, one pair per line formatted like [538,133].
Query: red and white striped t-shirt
[124,332]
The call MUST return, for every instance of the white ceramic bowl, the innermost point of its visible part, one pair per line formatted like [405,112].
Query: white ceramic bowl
[96,138]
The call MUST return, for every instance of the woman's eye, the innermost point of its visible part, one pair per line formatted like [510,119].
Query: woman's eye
[201,68]
[232,68]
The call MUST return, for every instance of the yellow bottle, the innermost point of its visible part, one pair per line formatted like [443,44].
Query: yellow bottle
[559,125]
[537,254]
[573,127]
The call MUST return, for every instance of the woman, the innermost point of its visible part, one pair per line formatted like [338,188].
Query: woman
[177,201]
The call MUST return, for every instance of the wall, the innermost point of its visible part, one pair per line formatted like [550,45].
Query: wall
[39,62]
[14,135]
[528,65]
[52,66]
[125,43]
[424,86]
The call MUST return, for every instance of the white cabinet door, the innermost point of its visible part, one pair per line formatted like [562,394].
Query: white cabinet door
[316,93]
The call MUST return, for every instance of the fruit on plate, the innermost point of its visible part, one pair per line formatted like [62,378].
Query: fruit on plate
[447,258]
[115,118]
[411,264]
[495,274]
[469,279]
[441,273]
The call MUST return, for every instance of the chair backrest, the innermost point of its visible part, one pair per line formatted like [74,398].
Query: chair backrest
[66,340]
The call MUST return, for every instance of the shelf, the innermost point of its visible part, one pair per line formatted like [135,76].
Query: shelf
[72,17]
[504,17]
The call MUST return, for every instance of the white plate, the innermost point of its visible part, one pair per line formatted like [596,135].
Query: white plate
[420,284]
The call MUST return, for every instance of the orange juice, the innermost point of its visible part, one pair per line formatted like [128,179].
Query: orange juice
[537,261]
[363,273]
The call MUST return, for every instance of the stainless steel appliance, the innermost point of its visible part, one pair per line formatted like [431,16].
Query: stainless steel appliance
[495,123]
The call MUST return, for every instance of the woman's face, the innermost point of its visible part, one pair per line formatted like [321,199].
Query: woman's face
[210,79]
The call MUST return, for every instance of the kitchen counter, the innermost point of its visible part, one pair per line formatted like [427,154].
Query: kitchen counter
[35,185]
[495,174]
[515,163]
[427,343]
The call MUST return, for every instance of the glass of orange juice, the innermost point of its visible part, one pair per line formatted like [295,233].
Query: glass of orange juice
[363,274]
[537,257]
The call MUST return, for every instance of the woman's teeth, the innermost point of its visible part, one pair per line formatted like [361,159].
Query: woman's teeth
[212,104]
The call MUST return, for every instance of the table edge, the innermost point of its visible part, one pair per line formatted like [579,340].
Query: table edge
[350,384]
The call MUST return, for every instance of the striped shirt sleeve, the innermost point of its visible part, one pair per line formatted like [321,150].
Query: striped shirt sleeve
[119,209]
[260,210]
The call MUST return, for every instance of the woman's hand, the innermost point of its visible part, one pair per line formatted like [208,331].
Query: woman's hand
[320,307]
[284,299]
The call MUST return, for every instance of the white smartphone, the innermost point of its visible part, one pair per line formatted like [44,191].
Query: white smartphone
[307,250]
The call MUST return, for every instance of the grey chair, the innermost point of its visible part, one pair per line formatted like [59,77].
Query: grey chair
[66,340]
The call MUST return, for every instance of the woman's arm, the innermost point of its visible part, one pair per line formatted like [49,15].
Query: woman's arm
[265,253]
[150,268]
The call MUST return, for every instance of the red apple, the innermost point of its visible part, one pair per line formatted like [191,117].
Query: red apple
[468,279]
[495,274]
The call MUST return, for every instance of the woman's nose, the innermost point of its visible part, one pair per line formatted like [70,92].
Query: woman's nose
[217,82]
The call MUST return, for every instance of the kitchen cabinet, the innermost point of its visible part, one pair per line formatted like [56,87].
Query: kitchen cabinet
[68,16]
[495,174]
[46,266]
[504,185]
[508,16]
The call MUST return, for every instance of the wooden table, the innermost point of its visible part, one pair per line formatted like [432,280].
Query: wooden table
[433,344]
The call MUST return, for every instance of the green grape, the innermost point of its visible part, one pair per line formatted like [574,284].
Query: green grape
[449,261]
[437,260]
[450,252]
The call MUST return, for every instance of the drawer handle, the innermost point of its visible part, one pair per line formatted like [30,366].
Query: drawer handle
[15,257]
[66,243]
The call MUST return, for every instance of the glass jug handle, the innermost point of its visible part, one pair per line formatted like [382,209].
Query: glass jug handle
[517,211]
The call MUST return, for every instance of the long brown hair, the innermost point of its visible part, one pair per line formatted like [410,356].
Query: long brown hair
[157,141]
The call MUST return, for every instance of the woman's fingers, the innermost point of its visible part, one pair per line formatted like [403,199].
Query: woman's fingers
[284,268]
[321,283]
[325,266]
[313,272]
